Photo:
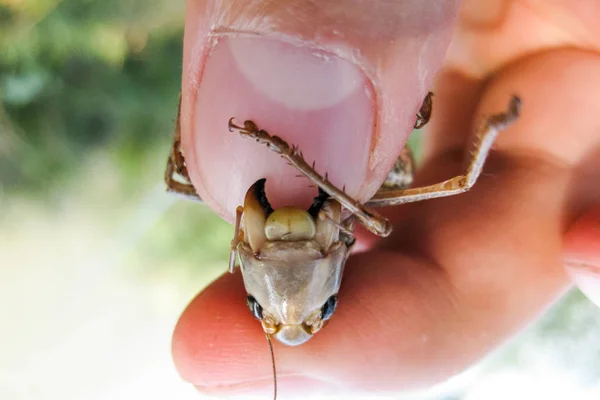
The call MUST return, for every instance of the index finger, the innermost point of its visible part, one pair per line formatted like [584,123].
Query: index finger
[461,275]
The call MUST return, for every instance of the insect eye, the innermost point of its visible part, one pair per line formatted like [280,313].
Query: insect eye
[254,307]
[328,308]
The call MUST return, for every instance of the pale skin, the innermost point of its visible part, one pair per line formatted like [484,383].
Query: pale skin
[460,275]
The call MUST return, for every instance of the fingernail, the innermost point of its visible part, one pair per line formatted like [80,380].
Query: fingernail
[582,254]
[313,99]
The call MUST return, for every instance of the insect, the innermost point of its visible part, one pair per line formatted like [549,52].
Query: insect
[292,260]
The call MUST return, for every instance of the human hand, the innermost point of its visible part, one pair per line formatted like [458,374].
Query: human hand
[459,275]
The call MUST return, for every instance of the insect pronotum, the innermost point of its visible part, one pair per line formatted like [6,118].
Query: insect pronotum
[292,260]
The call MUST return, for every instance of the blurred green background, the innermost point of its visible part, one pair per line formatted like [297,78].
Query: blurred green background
[89,93]
[97,261]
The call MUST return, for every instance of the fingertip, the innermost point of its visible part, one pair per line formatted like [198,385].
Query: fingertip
[216,339]
[221,349]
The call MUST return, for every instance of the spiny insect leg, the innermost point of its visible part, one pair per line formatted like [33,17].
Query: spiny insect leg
[486,136]
[236,238]
[373,221]
[176,166]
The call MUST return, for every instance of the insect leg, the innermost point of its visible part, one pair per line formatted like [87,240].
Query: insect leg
[459,184]
[424,113]
[373,221]
[186,190]
[176,165]
[236,238]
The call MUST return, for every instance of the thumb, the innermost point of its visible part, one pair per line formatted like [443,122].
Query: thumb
[341,79]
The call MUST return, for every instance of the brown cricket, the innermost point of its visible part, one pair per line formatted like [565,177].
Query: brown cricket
[292,260]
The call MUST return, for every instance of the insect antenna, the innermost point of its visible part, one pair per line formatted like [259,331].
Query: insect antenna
[274,368]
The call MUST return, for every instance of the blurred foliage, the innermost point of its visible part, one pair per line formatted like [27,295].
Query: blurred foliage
[88,97]
[82,75]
